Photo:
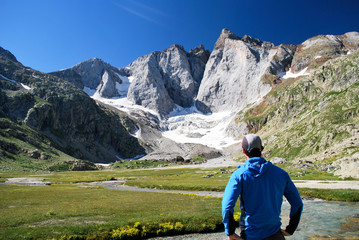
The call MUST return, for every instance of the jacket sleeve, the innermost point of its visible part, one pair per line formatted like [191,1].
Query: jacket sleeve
[296,206]
[230,197]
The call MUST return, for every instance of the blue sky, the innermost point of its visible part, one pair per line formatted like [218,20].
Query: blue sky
[49,35]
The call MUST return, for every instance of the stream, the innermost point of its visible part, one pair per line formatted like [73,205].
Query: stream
[320,219]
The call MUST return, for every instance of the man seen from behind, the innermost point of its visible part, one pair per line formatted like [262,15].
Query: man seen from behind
[260,186]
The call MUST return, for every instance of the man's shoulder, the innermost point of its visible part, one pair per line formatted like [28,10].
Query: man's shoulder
[279,170]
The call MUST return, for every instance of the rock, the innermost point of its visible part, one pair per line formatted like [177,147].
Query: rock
[148,88]
[7,54]
[94,74]
[36,154]
[72,76]
[317,50]
[232,78]
[9,147]
[163,79]
[348,166]
[197,59]
[208,176]
[277,160]
[225,34]
[83,165]
[177,76]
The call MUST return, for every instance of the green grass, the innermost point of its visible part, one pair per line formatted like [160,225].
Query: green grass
[74,211]
[184,179]
[136,164]
[59,210]
[348,195]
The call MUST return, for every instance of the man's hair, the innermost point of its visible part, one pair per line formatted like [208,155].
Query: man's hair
[255,152]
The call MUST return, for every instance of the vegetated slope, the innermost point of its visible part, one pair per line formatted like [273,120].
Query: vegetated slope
[42,114]
[313,118]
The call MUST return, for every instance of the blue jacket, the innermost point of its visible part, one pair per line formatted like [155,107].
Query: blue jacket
[260,186]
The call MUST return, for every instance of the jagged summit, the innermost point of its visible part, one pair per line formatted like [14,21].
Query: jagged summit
[7,54]
[225,34]
[317,50]
[94,74]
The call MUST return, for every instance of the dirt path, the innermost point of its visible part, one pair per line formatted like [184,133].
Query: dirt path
[327,184]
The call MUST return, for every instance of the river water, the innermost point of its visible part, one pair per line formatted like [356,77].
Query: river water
[320,220]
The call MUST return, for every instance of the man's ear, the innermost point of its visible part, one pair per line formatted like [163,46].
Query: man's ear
[245,154]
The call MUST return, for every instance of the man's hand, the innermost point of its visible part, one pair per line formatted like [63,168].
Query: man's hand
[234,237]
[285,233]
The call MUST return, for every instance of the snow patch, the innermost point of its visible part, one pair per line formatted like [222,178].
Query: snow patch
[183,125]
[13,81]
[136,133]
[122,88]
[188,125]
[25,86]
[290,74]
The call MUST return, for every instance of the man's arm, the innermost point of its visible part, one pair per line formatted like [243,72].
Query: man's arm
[230,197]
[296,206]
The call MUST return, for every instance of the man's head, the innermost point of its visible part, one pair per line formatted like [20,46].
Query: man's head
[252,145]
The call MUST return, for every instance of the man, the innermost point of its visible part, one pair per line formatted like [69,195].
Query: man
[260,186]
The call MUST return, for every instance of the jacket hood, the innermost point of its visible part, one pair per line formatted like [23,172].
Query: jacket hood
[258,167]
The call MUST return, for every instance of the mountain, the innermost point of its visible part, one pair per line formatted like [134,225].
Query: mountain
[313,120]
[160,79]
[302,99]
[234,74]
[94,74]
[163,79]
[43,114]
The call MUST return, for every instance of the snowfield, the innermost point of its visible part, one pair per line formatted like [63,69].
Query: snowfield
[183,125]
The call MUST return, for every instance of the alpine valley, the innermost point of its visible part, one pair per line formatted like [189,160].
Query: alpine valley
[303,100]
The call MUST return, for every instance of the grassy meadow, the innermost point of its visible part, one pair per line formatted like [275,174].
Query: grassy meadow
[70,208]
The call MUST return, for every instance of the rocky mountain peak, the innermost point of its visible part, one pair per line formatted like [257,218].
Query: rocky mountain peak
[351,40]
[163,79]
[225,34]
[94,73]
[176,46]
[319,49]
[200,52]
[251,40]
[8,55]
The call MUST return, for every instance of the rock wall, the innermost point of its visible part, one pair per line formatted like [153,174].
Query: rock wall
[163,79]
[233,77]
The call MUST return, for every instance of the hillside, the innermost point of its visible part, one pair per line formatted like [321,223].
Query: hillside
[45,121]
[313,120]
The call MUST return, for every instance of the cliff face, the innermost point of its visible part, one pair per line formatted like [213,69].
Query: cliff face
[94,74]
[233,74]
[163,79]
[62,113]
